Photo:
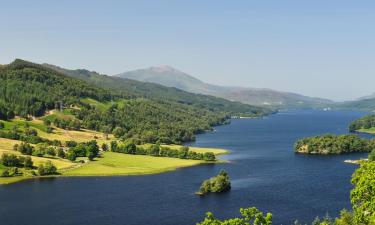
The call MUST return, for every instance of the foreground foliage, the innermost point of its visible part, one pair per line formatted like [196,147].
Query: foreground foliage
[249,216]
[363,194]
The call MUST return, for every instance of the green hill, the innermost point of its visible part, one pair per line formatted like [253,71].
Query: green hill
[133,88]
[30,89]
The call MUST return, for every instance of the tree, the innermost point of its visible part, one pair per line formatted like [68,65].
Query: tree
[60,153]
[346,218]
[2,125]
[118,132]
[47,169]
[71,143]
[104,147]
[25,148]
[114,146]
[92,149]
[220,183]
[51,151]
[154,150]
[183,152]
[248,216]
[9,160]
[49,130]
[363,194]
[71,155]
[28,163]
[209,156]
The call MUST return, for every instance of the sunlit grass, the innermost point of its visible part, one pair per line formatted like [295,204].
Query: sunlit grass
[115,164]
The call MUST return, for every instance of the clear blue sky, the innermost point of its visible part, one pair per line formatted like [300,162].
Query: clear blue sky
[318,48]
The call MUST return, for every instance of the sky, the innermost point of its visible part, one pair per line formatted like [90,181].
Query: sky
[317,48]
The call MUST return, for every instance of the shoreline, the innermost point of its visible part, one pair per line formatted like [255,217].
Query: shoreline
[119,164]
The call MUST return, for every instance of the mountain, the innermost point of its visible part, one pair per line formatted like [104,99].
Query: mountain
[30,89]
[170,77]
[133,88]
[365,104]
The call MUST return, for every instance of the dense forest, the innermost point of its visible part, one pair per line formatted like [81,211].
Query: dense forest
[331,144]
[30,89]
[365,122]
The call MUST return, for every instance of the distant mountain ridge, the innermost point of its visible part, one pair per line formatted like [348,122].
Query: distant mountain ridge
[171,77]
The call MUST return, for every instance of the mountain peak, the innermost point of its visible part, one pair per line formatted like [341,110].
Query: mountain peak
[162,68]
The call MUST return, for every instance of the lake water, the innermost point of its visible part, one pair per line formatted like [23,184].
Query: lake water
[264,171]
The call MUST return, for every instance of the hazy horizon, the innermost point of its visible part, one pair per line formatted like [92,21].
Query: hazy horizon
[320,49]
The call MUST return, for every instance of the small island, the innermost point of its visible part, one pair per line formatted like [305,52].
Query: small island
[220,183]
[333,144]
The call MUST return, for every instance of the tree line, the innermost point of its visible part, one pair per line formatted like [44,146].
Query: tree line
[129,147]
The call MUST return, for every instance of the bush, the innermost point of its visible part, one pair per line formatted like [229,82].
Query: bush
[10,160]
[71,155]
[47,169]
[25,148]
[28,163]
[60,153]
[51,151]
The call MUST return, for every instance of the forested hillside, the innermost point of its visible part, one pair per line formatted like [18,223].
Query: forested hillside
[158,92]
[30,89]
[365,122]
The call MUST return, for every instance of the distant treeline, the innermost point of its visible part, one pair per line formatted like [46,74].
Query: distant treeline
[331,144]
[129,147]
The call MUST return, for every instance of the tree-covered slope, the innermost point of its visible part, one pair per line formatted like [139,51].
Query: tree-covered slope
[29,89]
[154,91]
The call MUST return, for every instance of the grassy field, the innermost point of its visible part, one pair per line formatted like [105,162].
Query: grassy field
[62,135]
[370,130]
[6,146]
[100,105]
[109,164]
[116,164]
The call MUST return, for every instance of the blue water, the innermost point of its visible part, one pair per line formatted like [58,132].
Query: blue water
[264,170]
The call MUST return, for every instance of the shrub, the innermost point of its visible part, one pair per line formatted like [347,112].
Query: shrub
[47,169]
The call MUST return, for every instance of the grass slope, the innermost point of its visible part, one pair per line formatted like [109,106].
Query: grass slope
[116,164]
